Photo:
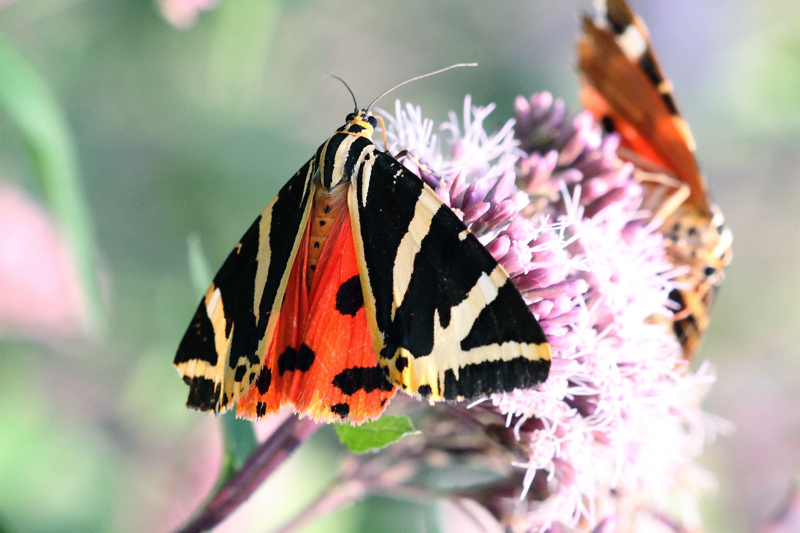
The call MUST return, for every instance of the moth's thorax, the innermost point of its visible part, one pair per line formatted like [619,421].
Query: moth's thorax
[339,158]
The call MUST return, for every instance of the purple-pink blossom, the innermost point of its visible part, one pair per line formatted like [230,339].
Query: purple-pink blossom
[611,437]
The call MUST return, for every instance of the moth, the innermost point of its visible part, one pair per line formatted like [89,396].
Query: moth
[356,280]
[625,89]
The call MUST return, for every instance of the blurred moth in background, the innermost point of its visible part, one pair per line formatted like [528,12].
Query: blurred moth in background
[627,92]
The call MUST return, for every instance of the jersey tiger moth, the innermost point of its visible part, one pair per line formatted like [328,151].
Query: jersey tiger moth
[357,279]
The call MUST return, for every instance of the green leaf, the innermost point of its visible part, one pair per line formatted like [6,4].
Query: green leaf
[376,434]
[27,102]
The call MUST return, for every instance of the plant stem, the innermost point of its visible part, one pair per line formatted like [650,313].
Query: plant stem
[339,494]
[359,476]
[264,460]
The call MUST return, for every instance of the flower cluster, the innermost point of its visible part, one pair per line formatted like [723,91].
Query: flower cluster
[611,436]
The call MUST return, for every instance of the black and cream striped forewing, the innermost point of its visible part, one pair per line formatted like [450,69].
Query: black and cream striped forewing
[220,354]
[447,321]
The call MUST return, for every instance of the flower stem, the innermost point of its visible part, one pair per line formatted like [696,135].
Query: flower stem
[359,476]
[339,494]
[264,460]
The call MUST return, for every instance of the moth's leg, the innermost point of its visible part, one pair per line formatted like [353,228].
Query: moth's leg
[664,197]
[427,174]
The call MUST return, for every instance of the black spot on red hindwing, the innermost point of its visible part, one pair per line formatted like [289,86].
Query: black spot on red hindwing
[358,378]
[349,298]
[341,409]
[264,380]
[305,358]
[425,391]
[261,409]
[287,361]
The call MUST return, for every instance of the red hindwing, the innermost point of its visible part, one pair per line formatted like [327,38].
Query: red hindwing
[321,359]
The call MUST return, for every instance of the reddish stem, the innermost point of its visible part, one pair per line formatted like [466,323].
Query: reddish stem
[261,463]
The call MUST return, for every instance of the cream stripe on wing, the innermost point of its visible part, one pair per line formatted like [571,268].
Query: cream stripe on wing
[429,370]
[353,200]
[366,174]
[425,209]
[632,43]
[264,257]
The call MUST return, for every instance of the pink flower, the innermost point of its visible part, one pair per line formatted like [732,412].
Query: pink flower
[40,294]
[611,437]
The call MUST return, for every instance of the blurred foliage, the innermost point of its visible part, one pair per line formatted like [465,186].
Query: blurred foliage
[182,132]
[238,437]
[27,101]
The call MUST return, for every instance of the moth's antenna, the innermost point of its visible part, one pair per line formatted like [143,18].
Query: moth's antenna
[457,65]
[348,90]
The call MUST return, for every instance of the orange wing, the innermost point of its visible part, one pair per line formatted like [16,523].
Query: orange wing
[625,88]
[321,359]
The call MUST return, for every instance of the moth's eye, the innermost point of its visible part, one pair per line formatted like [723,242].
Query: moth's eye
[350,117]
[373,121]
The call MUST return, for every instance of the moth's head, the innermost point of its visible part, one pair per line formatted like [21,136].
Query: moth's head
[360,123]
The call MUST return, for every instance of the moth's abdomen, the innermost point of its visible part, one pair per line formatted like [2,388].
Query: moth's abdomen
[328,205]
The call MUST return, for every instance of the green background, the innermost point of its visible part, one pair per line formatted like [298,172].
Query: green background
[178,132]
